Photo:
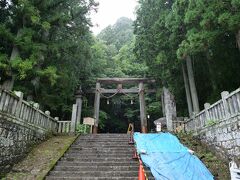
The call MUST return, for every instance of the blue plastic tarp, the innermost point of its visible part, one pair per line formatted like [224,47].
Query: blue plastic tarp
[168,159]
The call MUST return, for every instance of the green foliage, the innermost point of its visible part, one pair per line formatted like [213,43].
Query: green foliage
[22,66]
[83,129]
[3,62]
[218,167]
[169,31]
[51,73]
[52,43]
[211,122]
[119,34]
[103,116]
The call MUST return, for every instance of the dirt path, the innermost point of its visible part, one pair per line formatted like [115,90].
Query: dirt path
[41,159]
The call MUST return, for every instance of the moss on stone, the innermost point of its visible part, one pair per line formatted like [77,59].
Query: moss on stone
[217,166]
[41,159]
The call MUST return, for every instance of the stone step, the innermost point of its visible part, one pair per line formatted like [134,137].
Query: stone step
[95,156]
[104,140]
[126,139]
[78,148]
[74,169]
[91,178]
[105,137]
[103,145]
[96,168]
[109,163]
[106,150]
[95,173]
[98,159]
[116,154]
[101,142]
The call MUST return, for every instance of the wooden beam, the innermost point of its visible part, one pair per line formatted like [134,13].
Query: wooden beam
[124,80]
[122,91]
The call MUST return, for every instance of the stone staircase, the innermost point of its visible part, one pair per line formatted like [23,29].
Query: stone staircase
[98,156]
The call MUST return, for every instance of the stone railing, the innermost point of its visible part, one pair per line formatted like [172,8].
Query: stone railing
[218,125]
[22,124]
[13,105]
[225,108]
[64,127]
[179,122]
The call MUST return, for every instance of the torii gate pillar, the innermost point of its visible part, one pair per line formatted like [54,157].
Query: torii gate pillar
[142,108]
[96,108]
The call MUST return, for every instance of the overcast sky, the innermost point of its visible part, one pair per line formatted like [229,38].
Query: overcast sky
[110,10]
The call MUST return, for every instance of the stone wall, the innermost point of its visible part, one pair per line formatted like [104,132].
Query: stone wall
[16,139]
[21,126]
[218,125]
[223,137]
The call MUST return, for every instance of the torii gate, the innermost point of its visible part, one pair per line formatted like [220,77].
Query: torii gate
[119,81]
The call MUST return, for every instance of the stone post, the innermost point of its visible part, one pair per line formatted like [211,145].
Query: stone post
[47,123]
[36,115]
[170,108]
[224,96]
[78,96]
[163,105]
[206,107]
[56,124]
[142,108]
[96,107]
[19,104]
[194,121]
[36,105]
[74,118]
[56,118]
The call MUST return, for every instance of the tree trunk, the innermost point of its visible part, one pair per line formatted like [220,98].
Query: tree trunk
[238,39]
[211,73]
[8,83]
[188,95]
[193,89]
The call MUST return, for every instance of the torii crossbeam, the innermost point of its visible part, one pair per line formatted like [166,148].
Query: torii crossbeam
[119,81]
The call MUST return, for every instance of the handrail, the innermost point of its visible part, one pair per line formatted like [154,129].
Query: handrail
[14,105]
[234,92]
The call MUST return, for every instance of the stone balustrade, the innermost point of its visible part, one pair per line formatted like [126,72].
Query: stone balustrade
[228,106]
[22,124]
[218,125]
[12,105]
[64,127]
